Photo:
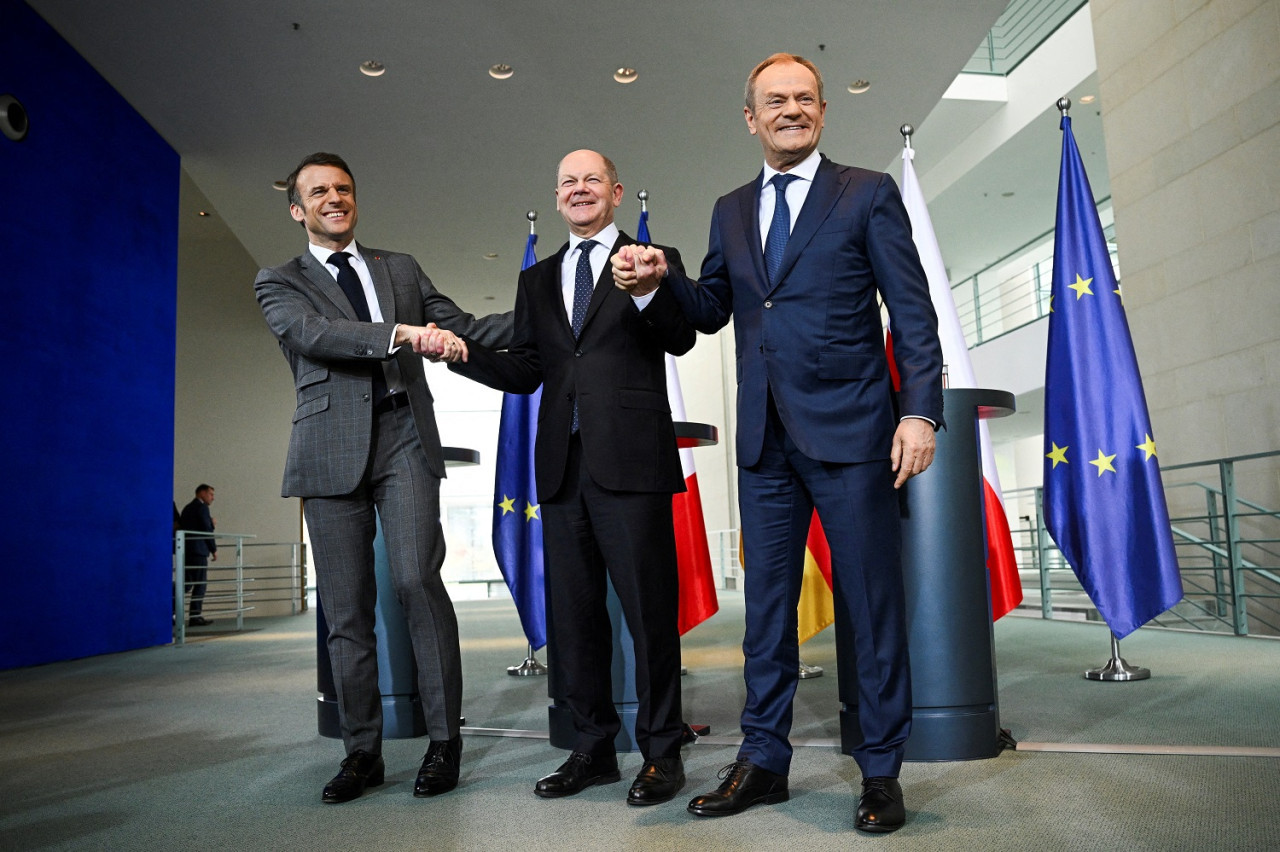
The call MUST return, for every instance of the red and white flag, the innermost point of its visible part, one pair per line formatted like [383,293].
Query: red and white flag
[693,554]
[1006,587]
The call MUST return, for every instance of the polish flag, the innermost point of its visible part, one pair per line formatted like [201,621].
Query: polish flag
[693,554]
[1006,587]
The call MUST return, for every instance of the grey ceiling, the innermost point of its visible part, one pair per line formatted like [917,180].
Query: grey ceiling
[448,160]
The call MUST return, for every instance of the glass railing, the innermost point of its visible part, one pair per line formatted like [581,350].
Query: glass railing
[1018,32]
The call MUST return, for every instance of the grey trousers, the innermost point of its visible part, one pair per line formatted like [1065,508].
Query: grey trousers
[407,498]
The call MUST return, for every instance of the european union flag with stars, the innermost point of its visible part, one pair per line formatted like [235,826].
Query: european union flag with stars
[517,520]
[1104,500]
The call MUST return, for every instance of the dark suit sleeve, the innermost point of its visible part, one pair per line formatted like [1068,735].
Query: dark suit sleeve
[663,317]
[519,369]
[902,282]
[707,302]
[493,331]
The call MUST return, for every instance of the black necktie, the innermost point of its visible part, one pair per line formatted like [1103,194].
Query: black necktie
[775,244]
[582,288]
[354,290]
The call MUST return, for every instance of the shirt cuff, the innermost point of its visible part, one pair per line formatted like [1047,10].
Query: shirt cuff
[642,302]
[920,417]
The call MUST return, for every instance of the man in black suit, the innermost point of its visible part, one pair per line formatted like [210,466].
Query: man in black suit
[200,549]
[796,259]
[606,465]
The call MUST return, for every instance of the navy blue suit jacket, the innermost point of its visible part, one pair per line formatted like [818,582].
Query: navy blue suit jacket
[814,338]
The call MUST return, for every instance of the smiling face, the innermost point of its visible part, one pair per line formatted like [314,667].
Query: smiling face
[328,209]
[587,192]
[787,114]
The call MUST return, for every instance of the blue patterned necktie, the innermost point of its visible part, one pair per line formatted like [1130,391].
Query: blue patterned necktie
[775,244]
[582,289]
[582,286]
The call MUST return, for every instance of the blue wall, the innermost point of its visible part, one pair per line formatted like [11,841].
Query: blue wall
[90,214]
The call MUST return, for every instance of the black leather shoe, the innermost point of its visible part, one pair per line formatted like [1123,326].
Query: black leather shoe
[198,621]
[745,784]
[439,772]
[881,809]
[658,782]
[576,774]
[358,771]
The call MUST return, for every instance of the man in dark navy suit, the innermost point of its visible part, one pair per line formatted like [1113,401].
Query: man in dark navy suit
[796,259]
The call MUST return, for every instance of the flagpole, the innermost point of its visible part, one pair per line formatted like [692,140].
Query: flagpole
[530,667]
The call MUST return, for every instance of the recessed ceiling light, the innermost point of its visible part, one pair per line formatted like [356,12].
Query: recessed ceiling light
[203,213]
[501,71]
[280,185]
[625,75]
[857,87]
[1088,99]
[372,68]
[491,255]
[1006,195]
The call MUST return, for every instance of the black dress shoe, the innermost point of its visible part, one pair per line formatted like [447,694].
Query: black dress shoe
[198,621]
[576,774]
[658,782]
[439,772]
[358,771]
[745,784]
[881,809]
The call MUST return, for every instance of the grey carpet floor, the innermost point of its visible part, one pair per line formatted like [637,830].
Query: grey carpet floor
[213,745]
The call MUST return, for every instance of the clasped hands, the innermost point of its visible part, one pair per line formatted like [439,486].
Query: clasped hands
[432,342]
[638,269]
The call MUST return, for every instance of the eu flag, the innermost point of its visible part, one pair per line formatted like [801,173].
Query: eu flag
[1104,501]
[517,521]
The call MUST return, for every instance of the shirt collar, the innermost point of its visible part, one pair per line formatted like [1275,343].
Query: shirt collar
[606,236]
[807,169]
[323,254]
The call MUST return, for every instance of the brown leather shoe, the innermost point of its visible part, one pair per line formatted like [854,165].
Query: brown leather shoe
[359,770]
[576,774]
[745,784]
[658,782]
[440,765]
[881,808]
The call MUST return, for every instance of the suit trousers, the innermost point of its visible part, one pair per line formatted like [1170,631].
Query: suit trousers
[197,576]
[588,531]
[407,498]
[860,514]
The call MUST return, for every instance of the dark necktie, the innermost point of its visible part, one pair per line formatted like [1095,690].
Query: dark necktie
[582,288]
[775,244]
[354,290]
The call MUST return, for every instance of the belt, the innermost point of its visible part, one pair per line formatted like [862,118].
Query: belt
[391,402]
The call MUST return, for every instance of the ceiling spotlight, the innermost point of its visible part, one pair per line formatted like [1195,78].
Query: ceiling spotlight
[203,213]
[491,255]
[625,75]
[280,185]
[1088,99]
[372,68]
[1006,195]
[857,87]
[501,71]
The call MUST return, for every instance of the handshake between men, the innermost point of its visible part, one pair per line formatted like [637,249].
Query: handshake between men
[432,342]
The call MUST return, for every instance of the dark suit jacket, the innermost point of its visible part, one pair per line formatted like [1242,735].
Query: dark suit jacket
[330,352]
[815,339]
[616,369]
[197,518]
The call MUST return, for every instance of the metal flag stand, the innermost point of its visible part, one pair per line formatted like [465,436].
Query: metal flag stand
[1117,668]
[529,668]
[807,671]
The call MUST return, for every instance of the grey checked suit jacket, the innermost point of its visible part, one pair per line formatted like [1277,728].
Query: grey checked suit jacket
[331,352]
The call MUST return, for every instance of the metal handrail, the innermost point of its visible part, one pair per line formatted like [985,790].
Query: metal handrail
[247,581]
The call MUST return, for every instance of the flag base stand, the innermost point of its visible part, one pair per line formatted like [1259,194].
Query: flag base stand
[1117,668]
[807,671]
[529,668]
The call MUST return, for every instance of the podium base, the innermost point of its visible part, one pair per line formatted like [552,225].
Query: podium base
[949,733]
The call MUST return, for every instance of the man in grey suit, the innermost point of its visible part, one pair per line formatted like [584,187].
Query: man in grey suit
[352,323]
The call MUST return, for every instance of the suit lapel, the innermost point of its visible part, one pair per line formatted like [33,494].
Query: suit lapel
[604,284]
[324,281]
[381,283]
[822,197]
[749,210]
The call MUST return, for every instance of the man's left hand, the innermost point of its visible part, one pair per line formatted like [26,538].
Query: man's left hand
[913,446]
